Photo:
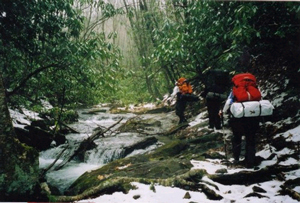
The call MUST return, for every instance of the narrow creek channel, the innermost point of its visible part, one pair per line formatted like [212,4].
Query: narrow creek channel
[108,148]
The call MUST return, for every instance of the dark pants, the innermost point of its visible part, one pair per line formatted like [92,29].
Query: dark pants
[181,105]
[180,108]
[247,127]
[213,108]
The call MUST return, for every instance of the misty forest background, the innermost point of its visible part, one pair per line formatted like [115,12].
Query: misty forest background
[84,52]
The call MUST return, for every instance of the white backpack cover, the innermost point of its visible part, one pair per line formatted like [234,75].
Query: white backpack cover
[251,109]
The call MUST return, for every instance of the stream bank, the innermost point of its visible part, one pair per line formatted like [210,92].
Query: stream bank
[188,157]
[135,134]
[191,158]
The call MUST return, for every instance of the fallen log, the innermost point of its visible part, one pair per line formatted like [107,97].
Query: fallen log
[176,128]
[251,177]
[292,193]
[72,130]
[123,184]
[148,141]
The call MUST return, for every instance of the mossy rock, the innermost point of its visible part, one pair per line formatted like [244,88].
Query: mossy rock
[209,137]
[176,129]
[169,150]
[166,161]
[157,169]
[137,123]
[154,169]
[159,164]
[95,111]
[188,180]
[21,179]
[163,109]
[67,115]
[168,165]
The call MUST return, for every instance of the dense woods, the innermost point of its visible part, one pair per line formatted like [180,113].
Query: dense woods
[83,52]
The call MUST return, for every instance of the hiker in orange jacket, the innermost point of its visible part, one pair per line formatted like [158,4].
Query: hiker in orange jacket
[184,95]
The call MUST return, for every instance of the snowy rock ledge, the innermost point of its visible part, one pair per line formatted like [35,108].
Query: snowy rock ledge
[34,131]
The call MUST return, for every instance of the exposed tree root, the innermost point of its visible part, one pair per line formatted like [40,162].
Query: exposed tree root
[288,191]
[251,177]
[189,180]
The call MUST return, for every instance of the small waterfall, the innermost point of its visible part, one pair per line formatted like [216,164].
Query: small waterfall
[102,157]
[108,148]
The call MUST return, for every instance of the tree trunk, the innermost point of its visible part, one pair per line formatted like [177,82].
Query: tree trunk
[143,24]
[19,166]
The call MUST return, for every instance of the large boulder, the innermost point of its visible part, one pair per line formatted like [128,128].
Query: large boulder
[39,136]
[34,131]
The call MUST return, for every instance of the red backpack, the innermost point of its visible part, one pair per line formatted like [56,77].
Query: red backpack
[245,88]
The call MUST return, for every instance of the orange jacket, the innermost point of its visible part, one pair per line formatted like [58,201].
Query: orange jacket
[184,86]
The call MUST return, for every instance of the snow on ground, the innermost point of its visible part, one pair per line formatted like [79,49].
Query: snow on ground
[199,119]
[277,101]
[292,135]
[22,119]
[233,193]
[230,193]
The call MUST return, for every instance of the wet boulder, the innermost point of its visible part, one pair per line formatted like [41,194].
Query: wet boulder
[39,136]
[148,141]
[137,124]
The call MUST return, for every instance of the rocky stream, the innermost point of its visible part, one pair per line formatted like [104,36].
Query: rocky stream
[147,145]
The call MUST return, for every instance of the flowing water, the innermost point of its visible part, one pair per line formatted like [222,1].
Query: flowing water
[108,148]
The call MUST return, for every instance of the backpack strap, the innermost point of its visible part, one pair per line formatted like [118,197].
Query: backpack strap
[249,96]
[243,108]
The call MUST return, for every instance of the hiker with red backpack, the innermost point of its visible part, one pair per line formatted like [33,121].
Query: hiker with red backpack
[244,106]
[184,94]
